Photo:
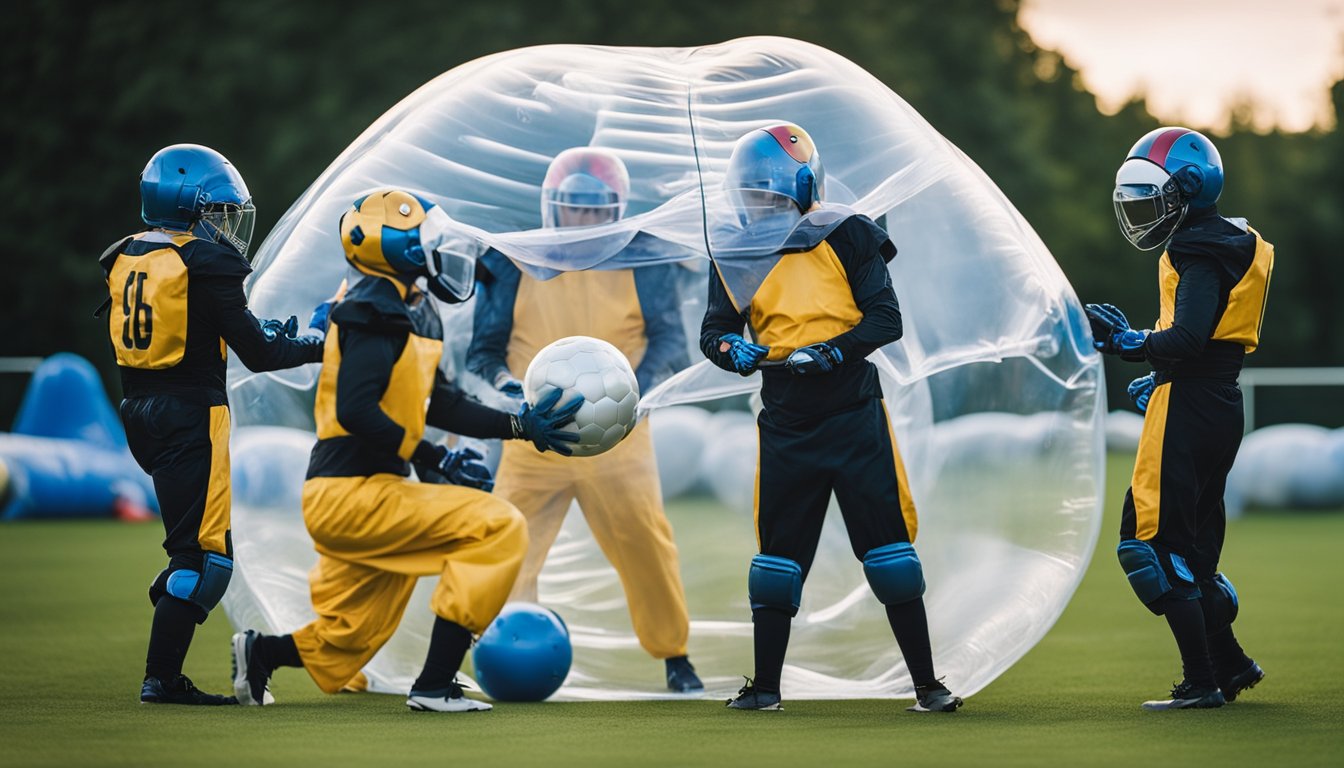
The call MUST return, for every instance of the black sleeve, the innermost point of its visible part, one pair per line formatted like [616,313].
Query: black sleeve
[1196,310]
[660,304]
[721,317]
[227,306]
[864,250]
[454,410]
[492,320]
[367,358]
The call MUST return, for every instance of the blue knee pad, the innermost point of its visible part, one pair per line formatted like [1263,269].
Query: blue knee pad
[1145,573]
[894,573]
[1218,598]
[775,582]
[205,588]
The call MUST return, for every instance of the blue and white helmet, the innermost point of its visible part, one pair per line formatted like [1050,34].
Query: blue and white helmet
[191,188]
[1167,172]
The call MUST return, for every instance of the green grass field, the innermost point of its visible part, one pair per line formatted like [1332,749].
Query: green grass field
[75,625]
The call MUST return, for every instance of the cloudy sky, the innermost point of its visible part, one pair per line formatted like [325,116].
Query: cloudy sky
[1194,57]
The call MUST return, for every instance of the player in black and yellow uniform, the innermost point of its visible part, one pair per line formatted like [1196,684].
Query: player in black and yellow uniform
[1213,279]
[375,530]
[824,428]
[176,301]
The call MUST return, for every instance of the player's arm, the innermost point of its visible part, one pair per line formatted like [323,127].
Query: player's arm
[367,358]
[864,250]
[492,321]
[1195,313]
[721,319]
[453,410]
[660,304]
[240,329]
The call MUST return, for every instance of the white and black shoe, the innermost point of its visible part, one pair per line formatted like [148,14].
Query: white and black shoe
[934,698]
[1187,696]
[251,683]
[450,699]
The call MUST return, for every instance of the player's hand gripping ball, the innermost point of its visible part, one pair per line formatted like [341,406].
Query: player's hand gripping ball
[595,371]
[524,655]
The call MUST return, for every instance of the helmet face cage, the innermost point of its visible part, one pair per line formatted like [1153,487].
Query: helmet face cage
[231,223]
[584,186]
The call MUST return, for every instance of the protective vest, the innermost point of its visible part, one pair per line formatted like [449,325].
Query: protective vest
[598,303]
[805,299]
[1245,311]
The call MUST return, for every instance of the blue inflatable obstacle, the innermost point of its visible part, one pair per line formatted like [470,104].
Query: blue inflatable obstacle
[524,655]
[67,456]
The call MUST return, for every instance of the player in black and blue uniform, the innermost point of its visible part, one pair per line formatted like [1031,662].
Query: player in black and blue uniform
[1213,278]
[176,300]
[816,316]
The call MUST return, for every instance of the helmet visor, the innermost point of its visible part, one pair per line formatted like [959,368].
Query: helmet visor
[452,271]
[1147,214]
[232,223]
[759,207]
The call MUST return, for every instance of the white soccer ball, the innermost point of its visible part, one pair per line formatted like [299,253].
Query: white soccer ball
[596,371]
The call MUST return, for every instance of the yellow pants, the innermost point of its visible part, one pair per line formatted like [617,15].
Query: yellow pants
[619,494]
[375,536]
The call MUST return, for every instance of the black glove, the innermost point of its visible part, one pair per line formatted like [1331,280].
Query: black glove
[437,464]
[541,423]
[814,358]
[1112,335]
[274,328]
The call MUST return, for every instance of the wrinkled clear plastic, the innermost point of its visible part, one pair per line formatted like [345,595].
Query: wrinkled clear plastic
[994,392]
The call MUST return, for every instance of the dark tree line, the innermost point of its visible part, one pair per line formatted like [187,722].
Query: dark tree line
[92,90]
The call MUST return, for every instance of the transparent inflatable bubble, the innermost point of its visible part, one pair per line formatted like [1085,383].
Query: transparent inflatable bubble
[994,392]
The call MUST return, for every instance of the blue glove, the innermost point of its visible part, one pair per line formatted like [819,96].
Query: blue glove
[1111,333]
[1140,390]
[745,355]
[814,358]
[448,467]
[273,329]
[321,317]
[541,423]
[504,382]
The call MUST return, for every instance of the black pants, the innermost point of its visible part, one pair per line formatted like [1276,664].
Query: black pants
[851,453]
[184,446]
[1191,434]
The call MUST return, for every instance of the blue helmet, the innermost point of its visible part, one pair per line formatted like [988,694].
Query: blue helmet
[1166,172]
[188,187]
[780,159]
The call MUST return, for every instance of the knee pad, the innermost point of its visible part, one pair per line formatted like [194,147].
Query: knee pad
[894,573]
[1145,573]
[204,588]
[1218,598]
[775,582]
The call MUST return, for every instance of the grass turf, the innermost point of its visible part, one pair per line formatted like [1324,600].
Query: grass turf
[75,625]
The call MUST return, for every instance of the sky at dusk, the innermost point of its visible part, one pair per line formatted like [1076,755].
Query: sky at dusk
[1195,57]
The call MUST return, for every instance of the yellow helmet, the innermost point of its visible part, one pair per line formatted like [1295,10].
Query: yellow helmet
[392,233]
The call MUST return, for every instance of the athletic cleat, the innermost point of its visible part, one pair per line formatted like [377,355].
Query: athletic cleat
[1187,696]
[251,684]
[1244,680]
[934,698]
[681,675]
[750,697]
[450,699]
[179,690]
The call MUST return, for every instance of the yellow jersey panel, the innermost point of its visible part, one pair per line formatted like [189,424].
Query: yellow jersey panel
[805,299]
[1245,311]
[148,321]
[598,303]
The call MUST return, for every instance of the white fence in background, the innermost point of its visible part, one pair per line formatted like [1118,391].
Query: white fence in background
[1283,377]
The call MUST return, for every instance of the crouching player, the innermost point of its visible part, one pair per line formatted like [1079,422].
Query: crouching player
[817,315]
[1213,278]
[375,530]
[176,300]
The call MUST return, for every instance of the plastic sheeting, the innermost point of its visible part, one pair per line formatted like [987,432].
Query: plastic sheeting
[995,393]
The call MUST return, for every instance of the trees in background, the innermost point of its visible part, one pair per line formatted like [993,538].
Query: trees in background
[92,90]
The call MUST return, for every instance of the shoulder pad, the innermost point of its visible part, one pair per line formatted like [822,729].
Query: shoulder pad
[110,255]
[206,259]
[374,303]
[863,232]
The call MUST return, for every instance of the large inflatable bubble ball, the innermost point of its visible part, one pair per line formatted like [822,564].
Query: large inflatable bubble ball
[524,655]
[595,370]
